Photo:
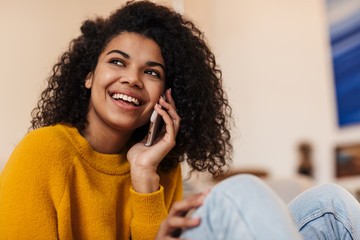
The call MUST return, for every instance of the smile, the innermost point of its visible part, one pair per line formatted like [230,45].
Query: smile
[120,96]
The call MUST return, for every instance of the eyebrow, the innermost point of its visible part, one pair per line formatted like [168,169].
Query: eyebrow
[153,64]
[149,63]
[125,55]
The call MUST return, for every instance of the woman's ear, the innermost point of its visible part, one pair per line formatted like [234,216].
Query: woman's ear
[89,80]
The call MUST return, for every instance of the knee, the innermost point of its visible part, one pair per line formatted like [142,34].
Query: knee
[331,190]
[240,185]
[240,181]
[324,192]
[333,194]
[328,197]
[328,192]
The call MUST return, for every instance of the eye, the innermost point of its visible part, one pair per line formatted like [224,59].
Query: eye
[153,73]
[117,62]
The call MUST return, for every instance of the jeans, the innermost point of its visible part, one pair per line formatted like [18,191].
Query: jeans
[327,212]
[243,207]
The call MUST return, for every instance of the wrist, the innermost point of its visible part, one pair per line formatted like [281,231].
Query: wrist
[145,181]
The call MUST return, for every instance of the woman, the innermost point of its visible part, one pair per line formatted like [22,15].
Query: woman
[84,171]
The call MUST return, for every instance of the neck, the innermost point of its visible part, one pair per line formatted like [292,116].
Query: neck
[106,140]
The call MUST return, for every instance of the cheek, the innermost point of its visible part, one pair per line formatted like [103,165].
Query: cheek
[101,84]
[104,77]
[155,90]
[160,89]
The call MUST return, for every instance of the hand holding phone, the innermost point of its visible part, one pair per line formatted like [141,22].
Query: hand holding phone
[154,128]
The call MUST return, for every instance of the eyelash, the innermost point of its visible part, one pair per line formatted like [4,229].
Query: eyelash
[157,74]
[151,72]
[116,61]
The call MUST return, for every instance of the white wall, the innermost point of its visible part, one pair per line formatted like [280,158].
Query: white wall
[33,34]
[274,55]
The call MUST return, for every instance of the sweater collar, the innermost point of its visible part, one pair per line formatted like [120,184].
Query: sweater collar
[114,164]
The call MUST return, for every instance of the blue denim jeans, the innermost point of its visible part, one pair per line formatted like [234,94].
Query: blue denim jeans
[243,207]
[327,212]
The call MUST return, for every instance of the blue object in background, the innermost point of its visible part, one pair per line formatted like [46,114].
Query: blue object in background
[347,84]
[344,24]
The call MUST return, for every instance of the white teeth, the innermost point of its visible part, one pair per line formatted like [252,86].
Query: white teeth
[118,96]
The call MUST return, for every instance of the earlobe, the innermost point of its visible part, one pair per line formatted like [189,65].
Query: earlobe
[88,80]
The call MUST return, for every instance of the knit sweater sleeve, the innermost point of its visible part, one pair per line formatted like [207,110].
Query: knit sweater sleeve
[27,200]
[149,210]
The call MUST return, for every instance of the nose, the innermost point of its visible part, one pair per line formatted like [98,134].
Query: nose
[132,78]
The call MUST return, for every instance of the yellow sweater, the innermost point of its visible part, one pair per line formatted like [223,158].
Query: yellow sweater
[55,186]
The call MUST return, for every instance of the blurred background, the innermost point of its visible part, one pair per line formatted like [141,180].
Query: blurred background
[279,66]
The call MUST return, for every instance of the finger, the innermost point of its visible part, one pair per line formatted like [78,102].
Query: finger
[168,232]
[169,123]
[206,192]
[169,97]
[183,206]
[181,222]
[171,110]
[170,107]
[173,225]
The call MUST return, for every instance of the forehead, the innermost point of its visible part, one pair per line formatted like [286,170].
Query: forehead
[136,46]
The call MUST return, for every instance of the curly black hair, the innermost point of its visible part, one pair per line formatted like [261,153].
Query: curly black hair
[203,139]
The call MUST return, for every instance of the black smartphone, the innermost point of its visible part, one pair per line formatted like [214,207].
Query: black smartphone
[154,128]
